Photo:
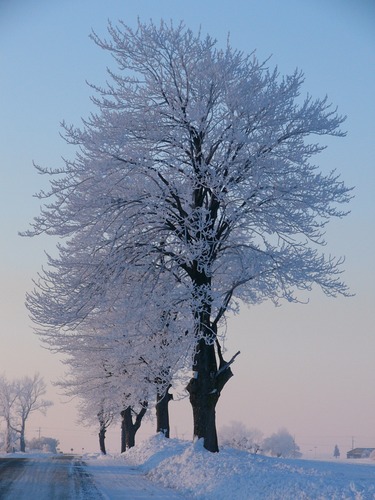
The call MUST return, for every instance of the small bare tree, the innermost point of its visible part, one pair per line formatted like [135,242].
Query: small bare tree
[8,399]
[29,392]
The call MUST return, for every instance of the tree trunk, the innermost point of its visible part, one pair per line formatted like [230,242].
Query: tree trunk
[8,437]
[162,412]
[123,432]
[22,441]
[102,432]
[129,432]
[22,436]
[204,390]
[208,380]
[130,428]
[203,396]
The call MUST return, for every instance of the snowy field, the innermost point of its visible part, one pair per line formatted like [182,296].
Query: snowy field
[190,472]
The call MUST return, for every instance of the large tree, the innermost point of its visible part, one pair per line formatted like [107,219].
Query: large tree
[196,171]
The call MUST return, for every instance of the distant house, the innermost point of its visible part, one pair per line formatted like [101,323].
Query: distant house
[360,453]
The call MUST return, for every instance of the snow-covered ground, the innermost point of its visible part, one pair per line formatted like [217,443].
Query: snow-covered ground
[193,473]
[162,469]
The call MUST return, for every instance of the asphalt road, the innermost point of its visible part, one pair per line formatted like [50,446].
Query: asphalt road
[46,478]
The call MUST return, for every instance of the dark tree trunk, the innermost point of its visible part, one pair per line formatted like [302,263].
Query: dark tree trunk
[102,432]
[208,380]
[203,395]
[204,390]
[21,432]
[162,412]
[129,431]
[123,432]
[22,442]
[8,437]
[129,427]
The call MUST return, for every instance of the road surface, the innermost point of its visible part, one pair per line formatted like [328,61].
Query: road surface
[67,477]
[46,478]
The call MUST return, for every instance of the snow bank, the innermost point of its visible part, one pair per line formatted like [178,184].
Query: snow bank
[238,475]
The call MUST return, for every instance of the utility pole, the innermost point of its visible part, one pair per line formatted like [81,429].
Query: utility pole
[39,432]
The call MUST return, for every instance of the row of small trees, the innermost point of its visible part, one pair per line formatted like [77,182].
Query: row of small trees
[19,398]
[191,192]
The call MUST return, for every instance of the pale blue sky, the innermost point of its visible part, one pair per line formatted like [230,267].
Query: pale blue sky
[310,368]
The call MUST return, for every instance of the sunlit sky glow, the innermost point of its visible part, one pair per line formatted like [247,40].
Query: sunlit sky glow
[309,368]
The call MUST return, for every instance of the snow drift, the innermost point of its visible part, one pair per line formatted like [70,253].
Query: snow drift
[238,475]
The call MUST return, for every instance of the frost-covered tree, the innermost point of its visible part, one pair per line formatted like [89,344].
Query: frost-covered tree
[105,419]
[107,391]
[8,401]
[98,413]
[104,392]
[18,399]
[8,440]
[46,444]
[98,405]
[281,444]
[124,358]
[29,400]
[195,171]
[238,435]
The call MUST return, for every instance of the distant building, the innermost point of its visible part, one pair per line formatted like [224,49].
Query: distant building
[360,453]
